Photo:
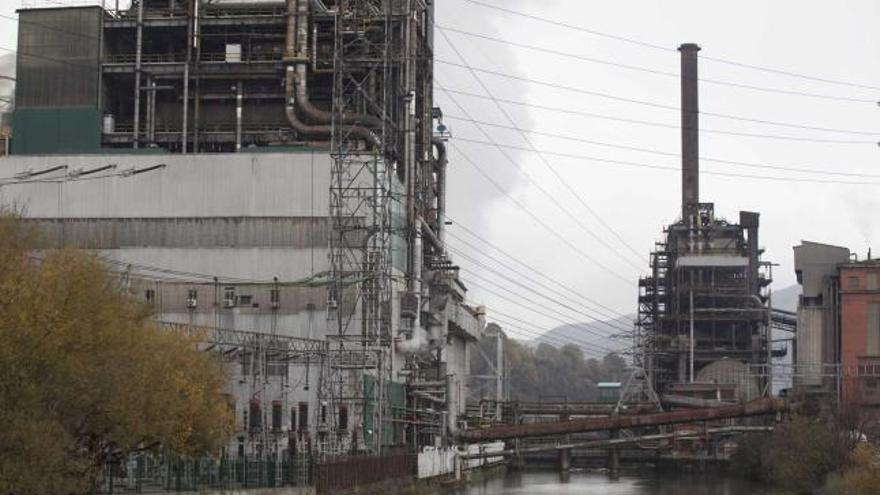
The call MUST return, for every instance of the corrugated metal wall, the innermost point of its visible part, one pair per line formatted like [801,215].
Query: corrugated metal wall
[237,232]
[58,81]
[58,58]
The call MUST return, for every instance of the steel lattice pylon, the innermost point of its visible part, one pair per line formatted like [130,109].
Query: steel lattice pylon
[360,211]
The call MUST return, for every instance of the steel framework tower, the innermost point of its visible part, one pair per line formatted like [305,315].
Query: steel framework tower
[360,239]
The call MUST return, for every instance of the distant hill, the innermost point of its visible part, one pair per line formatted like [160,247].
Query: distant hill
[591,333]
[787,298]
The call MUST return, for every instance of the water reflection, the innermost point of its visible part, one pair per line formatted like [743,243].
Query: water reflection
[589,483]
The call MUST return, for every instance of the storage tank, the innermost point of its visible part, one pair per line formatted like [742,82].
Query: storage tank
[732,372]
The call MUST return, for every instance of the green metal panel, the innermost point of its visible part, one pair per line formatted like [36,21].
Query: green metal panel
[37,131]
[395,403]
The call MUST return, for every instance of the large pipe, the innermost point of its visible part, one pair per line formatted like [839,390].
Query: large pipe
[690,128]
[239,104]
[758,407]
[612,442]
[139,45]
[441,188]
[318,129]
[302,93]
[290,35]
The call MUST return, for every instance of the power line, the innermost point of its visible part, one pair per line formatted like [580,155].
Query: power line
[540,188]
[528,267]
[646,103]
[673,169]
[537,219]
[536,293]
[668,48]
[535,333]
[666,153]
[49,27]
[660,124]
[566,339]
[654,71]
[612,316]
[549,165]
[50,59]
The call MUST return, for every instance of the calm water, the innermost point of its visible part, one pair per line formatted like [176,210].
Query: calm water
[590,483]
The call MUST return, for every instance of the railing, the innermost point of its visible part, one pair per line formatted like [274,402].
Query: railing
[146,58]
[159,473]
[344,474]
[166,58]
[220,12]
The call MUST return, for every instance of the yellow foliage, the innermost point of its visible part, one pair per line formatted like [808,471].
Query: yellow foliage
[85,375]
[863,476]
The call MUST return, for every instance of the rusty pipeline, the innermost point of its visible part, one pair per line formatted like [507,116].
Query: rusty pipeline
[770,405]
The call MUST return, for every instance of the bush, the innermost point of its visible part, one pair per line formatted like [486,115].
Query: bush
[862,477]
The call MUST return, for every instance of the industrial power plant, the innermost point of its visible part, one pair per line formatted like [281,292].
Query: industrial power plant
[271,179]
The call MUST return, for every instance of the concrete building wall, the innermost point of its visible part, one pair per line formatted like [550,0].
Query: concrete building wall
[218,185]
[810,336]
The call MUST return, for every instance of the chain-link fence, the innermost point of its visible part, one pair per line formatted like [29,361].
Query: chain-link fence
[157,473]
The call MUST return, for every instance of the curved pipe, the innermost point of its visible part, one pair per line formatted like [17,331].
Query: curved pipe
[322,129]
[323,116]
[308,108]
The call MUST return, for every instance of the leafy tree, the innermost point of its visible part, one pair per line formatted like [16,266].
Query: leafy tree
[546,371]
[85,376]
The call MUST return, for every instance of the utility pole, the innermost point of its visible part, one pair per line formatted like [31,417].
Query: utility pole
[499,373]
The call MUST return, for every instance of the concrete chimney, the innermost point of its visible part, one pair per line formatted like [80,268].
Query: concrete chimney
[690,128]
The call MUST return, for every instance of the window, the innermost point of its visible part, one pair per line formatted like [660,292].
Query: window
[303,416]
[853,282]
[150,296]
[192,297]
[343,417]
[323,414]
[275,298]
[229,297]
[256,415]
[873,330]
[873,281]
[245,300]
[292,418]
[276,415]
[246,359]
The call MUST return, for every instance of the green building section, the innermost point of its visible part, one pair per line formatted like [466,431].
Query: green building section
[394,405]
[42,131]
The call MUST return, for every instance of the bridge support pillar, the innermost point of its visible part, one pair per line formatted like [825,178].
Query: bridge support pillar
[614,457]
[565,460]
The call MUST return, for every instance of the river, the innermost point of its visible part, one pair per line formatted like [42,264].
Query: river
[592,483]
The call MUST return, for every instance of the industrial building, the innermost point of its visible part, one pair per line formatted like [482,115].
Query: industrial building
[838,339]
[268,170]
[704,307]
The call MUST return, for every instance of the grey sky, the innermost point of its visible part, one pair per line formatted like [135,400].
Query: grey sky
[833,40]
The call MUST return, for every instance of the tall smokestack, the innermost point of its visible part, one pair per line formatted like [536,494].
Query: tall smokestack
[690,128]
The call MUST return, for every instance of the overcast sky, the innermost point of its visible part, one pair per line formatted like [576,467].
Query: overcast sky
[828,40]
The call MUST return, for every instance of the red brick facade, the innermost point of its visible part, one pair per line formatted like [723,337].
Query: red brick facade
[860,332]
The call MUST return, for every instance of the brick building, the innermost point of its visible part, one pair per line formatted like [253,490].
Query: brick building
[860,332]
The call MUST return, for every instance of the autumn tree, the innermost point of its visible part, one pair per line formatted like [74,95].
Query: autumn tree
[86,376]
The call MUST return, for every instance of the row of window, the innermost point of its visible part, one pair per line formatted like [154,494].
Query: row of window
[230,298]
[252,416]
[870,282]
